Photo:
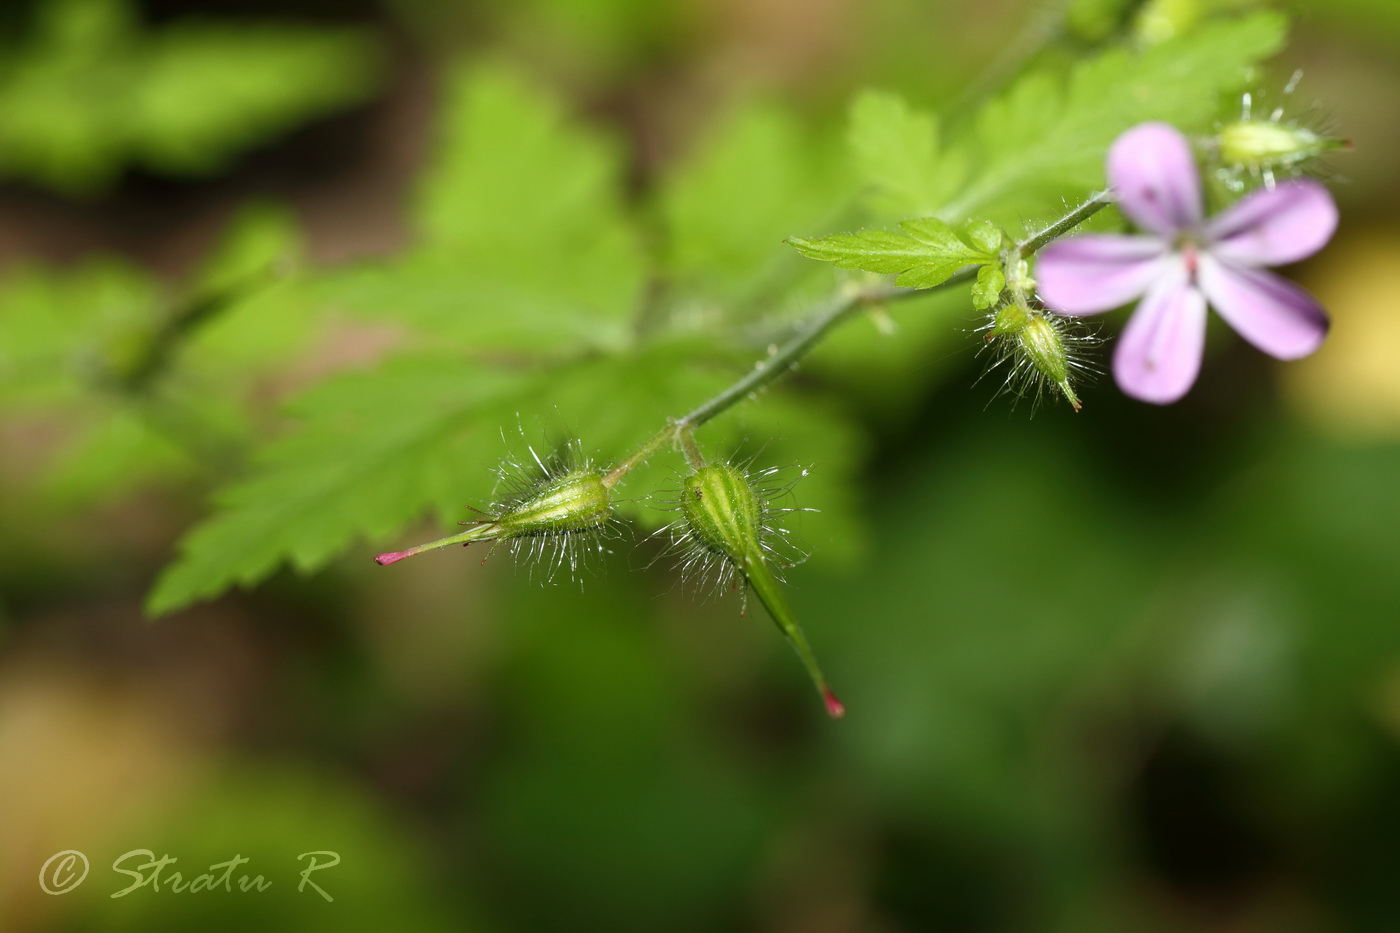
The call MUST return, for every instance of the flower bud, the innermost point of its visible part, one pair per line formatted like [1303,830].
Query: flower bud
[1036,346]
[723,515]
[1270,145]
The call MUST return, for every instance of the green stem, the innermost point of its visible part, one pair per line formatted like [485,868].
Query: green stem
[1034,243]
[837,310]
[483,531]
[780,360]
[766,588]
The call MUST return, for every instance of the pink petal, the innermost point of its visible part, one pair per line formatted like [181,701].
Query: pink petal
[1272,313]
[1273,226]
[1097,272]
[1154,176]
[1159,352]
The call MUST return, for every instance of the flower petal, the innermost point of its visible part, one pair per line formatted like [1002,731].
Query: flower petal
[1159,352]
[1272,313]
[1273,226]
[1097,272]
[1154,176]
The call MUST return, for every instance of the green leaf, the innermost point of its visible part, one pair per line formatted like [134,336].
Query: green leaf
[896,150]
[64,331]
[419,434]
[758,177]
[376,449]
[89,92]
[205,92]
[1042,139]
[986,291]
[523,243]
[927,253]
[141,385]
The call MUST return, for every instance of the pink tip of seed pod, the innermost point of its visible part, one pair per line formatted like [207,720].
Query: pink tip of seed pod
[390,557]
[834,707]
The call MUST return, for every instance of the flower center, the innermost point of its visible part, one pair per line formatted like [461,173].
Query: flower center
[1189,250]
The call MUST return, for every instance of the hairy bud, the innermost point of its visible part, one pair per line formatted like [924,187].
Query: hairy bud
[1266,145]
[1038,349]
[1257,146]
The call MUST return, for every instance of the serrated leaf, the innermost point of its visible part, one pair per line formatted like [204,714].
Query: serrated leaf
[1043,137]
[896,150]
[378,449]
[758,177]
[927,253]
[523,241]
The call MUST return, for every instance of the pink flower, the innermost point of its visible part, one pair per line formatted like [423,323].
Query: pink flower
[1184,262]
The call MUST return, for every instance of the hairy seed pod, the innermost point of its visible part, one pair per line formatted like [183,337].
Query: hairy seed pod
[723,517]
[544,517]
[723,512]
[576,501]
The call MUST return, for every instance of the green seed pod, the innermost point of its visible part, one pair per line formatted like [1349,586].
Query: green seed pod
[576,501]
[545,517]
[723,512]
[723,519]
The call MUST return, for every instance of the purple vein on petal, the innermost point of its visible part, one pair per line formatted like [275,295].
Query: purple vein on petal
[1270,312]
[1155,180]
[1274,226]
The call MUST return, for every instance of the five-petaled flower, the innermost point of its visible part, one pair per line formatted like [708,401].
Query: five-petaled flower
[1183,261]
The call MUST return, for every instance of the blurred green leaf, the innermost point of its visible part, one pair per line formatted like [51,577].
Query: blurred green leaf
[896,150]
[725,211]
[1042,139]
[524,243]
[90,93]
[141,385]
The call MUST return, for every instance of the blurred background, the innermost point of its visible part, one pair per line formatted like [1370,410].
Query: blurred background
[1131,669]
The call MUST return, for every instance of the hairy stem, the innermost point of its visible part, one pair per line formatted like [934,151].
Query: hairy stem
[1034,243]
[837,310]
[811,332]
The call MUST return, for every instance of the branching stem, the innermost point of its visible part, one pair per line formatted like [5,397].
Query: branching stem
[840,308]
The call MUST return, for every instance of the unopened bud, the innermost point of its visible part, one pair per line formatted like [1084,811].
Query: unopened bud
[1260,145]
[1035,342]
